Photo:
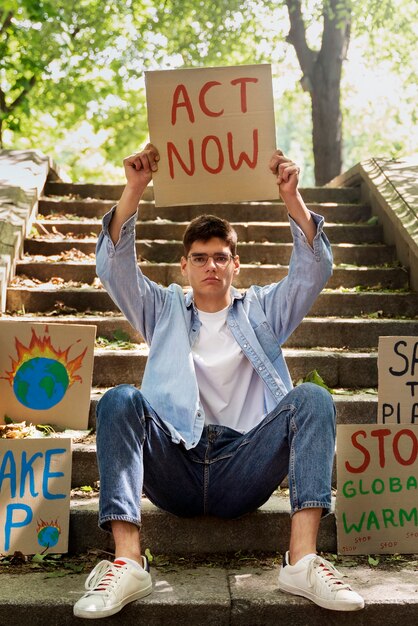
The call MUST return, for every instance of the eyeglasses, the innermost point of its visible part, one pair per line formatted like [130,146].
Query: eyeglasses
[219,258]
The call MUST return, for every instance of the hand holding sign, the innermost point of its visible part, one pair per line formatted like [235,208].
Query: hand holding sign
[139,167]
[286,171]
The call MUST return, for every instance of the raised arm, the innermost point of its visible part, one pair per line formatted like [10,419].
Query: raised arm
[287,173]
[138,171]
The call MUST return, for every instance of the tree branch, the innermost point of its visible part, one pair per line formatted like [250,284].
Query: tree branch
[3,107]
[6,22]
[22,94]
[297,37]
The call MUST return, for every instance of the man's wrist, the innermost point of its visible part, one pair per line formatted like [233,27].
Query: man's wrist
[290,195]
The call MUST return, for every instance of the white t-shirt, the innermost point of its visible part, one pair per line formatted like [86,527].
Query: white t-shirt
[231,392]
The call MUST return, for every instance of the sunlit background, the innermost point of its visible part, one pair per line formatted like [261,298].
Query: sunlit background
[87,106]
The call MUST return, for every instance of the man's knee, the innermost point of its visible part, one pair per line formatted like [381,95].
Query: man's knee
[118,403]
[319,400]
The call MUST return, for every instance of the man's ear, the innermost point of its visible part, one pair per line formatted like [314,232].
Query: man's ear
[183,265]
[236,265]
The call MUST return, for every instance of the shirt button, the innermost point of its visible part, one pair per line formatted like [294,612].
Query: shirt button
[261,367]
[245,345]
[277,393]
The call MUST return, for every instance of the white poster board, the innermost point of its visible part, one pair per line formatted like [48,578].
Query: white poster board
[46,373]
[215,131]
[398,380]
[377,488]
[35,482]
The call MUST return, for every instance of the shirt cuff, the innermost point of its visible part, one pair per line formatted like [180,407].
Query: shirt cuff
[128,227]
[298,234]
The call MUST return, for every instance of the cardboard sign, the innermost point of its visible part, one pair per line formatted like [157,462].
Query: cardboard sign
[215,131]
[377,480]
[46,373]
[35,481]
[398,380]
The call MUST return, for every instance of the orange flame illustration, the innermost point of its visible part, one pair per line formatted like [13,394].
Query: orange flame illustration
[51,524]
[42,347]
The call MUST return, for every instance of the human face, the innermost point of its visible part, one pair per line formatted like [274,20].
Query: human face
[210,283]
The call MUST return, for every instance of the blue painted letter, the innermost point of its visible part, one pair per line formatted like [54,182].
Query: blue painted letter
[11,475]
[9,521]
[28,469]
[48,474]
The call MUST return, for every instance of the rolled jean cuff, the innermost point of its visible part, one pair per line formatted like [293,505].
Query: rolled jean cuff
[313,504]
[104,522]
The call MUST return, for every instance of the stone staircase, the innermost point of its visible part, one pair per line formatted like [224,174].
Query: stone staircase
[367,296]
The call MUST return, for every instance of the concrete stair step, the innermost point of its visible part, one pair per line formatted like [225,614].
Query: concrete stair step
[216,595]
[353,407]
[89,191]
[278,232]
[265,530]
[358,408]
[333,303]
[113,192]
[338,369]
[315,331]
[250,212]
[268,252]
[244,211]
[163,251]
[85,272]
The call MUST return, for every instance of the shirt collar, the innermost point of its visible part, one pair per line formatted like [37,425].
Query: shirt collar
[235,295]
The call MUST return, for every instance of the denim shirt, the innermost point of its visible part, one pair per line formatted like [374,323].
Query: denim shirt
[260,319]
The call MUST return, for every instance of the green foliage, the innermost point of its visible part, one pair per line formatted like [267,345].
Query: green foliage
[71,73]
[315,377]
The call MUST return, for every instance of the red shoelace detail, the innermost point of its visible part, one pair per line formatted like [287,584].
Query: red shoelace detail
[107,579]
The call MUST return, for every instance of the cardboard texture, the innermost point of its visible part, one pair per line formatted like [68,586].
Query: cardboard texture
[46,373]
[398,380]
[215,131]
[35,482]
[377,482]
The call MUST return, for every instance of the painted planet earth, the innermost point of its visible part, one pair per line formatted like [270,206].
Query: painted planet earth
[40,383]
[48,536]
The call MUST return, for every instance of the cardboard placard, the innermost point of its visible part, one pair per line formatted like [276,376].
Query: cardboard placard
[35,482]
[377,483]
[46,373]
[215,131]
[398,380]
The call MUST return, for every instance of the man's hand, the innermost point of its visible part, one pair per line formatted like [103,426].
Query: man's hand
[287,173]
[140,166]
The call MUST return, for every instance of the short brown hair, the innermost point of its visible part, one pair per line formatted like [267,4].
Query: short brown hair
[205,227]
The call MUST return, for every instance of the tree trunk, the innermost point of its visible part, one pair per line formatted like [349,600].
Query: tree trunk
[322,78]
[326,123]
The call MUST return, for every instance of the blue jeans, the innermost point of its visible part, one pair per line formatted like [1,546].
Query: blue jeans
[228,473]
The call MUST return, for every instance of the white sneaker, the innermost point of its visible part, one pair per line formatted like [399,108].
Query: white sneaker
[112,585]
[318,580]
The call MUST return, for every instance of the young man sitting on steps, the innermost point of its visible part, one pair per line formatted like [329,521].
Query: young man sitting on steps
[217,425]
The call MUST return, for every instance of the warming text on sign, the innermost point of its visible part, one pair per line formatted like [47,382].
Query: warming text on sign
[402,449]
